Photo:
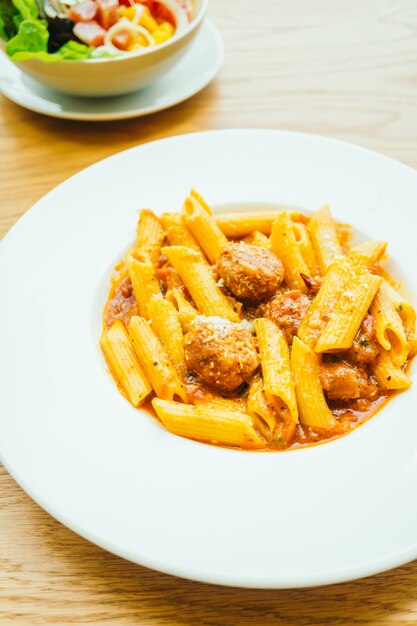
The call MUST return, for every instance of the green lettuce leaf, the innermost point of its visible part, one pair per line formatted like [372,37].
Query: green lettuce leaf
[102,53]
[8,27]
[28,9]
[32,37]
[73,51]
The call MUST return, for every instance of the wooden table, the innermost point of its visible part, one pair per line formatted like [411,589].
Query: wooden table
[343,69]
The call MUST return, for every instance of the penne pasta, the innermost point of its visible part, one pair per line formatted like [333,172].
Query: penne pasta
[340,274]
[407,315]
[124,365]
[258,404]
[284,244]
[155,361]
[177,233]
[204,228]
[242,224]
[186,312]
[349,313]
[259,239]
[145,284]
[389,326]
[306,247]
[324,237]
[211,399]
[149,235]
[194,193]
[276,368]
[388,375]
[207,296]
[369,252]
[310,397]
[166,325]
[210,424]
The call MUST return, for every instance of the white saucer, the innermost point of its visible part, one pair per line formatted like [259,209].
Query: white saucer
[193,73]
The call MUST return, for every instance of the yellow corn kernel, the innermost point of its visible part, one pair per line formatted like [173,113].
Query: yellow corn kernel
[147,21]
[128,12]
[164,32]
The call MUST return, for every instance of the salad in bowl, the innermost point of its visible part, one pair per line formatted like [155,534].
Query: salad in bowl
[98,48]
[54,30]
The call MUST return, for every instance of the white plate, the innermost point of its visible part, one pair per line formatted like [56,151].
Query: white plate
[198,67]
[319,515]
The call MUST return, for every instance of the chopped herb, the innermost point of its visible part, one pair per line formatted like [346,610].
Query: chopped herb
[388,377]
[400,308]
[155,363]
[363,342]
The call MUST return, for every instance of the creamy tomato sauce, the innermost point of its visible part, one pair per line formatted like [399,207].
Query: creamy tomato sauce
[122,305]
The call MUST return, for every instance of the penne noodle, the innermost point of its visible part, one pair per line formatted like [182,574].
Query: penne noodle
[324,237]
[284,244]
[210,424]
[276,368]
[166,325]
[211,399]
[155,361]
[199,281]
[258,404]
[310,397]
[149,235]
[120,272]
[124,365]
[259,239]
[389,326]
[145,283]
[186,312]
[306,247]
[341,273]
[407,315]
[369,252]
[349,313]
[194,193]
[177,233]
[204,228]
[243,224]
[388,375]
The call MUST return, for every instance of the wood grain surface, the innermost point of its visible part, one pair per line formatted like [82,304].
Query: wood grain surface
[332,67]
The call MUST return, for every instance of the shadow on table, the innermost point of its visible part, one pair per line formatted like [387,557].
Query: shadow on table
[196,113]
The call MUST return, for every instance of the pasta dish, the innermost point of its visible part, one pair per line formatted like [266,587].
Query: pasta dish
[262,331]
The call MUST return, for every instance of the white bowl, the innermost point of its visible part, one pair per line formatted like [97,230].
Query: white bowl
[115,76]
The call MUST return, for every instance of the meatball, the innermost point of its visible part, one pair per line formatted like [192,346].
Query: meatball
[250,272]
[365,347]
[287,311]
[223,354]
[341,381]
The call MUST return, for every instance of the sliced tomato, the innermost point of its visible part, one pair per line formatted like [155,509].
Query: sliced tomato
[163,14]
[83,11]
[159,11]
[90,33]
[148,3]
[107,13]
